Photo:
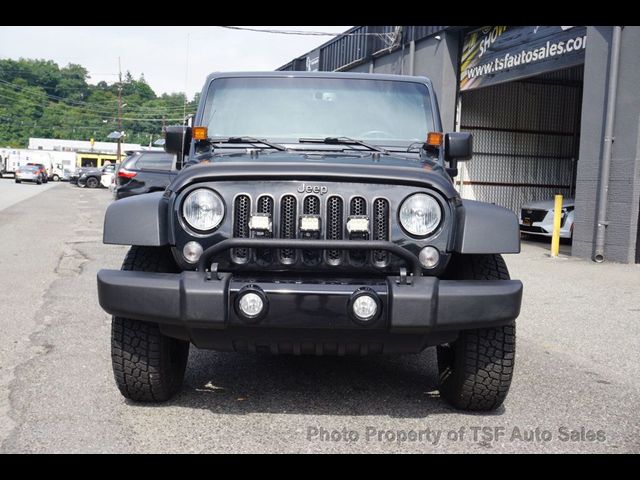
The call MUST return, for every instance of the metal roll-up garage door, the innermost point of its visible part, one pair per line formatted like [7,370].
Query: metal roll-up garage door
[526,138]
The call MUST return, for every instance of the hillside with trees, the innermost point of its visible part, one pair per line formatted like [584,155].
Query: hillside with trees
[40,99]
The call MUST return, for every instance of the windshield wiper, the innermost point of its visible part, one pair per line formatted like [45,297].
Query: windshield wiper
[248,140]
[344,141]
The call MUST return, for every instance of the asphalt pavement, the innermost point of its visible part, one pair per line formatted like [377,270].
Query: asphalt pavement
[13,192]
[575,389]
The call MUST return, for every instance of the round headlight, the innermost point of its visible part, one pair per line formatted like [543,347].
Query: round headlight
[203,209]
[420,214]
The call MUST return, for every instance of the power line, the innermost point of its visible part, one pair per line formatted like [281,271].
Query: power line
[82,104]
[302,32]
[22,121]
[103,116]
[176,119]
[38,99]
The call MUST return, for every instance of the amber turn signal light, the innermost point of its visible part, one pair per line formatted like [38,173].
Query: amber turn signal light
[199,133]
[434,139]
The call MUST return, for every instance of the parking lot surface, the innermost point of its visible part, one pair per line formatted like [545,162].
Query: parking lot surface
[13,192]
[576,387]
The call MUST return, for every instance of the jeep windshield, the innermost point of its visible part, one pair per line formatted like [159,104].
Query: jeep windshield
[287,109]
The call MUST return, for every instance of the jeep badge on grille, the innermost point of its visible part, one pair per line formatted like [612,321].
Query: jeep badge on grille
[304,188]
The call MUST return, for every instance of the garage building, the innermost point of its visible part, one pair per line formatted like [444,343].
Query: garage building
[538,100]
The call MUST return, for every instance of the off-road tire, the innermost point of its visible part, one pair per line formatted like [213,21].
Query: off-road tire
[147,365]
[476,370]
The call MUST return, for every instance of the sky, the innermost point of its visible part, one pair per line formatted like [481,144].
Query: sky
[160,52]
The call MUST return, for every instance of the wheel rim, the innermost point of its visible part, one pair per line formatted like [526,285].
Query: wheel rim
[92,183]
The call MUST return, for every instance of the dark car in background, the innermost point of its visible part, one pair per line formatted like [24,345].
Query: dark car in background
[144,172]
[91,177]
[77,173]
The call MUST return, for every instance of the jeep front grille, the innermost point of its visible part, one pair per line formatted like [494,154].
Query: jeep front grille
[311,206]
[288,226]
[265,206]
[380,230]
[358,207]
[334,212]
[241,213]
[335,226]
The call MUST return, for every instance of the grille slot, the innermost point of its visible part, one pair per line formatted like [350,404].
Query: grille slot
[380,230]
[311,206]
[358,206]
[335,227]
[288,206]
[265,206]
[241,213]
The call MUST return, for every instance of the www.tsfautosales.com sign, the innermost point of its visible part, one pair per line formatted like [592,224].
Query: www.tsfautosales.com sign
[498,54]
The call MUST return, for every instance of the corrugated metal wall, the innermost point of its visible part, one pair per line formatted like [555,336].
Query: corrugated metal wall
[526,138]
[360,44]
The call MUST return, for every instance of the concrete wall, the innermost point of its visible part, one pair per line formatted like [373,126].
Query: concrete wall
[624,186]
[438,60]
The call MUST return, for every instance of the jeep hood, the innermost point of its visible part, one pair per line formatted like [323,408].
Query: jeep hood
[329,167]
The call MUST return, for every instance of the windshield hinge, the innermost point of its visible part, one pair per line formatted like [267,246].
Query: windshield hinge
[404,278]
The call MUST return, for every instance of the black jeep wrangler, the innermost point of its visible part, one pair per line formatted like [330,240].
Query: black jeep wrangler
[314,213]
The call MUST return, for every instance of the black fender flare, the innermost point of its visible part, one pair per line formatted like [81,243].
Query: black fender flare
[139,220]
[486,228]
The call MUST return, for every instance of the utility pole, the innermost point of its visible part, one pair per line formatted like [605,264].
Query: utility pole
[119,109]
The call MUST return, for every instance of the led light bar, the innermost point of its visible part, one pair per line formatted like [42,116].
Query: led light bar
[309,224]
[260,222]
[358,225]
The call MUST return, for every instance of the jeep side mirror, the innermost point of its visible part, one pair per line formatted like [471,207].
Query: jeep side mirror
[458,146]
[177,139]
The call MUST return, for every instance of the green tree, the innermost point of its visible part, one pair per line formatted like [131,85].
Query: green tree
[40,99]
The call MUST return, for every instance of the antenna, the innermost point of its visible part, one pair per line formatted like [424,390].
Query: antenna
[184,105]
[119,108]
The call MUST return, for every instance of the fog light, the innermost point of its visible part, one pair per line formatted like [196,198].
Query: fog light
[364,305]
[251,303]
[429,257]
[192,252]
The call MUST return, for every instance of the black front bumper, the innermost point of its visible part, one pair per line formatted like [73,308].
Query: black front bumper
[309,314]
[202,306]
